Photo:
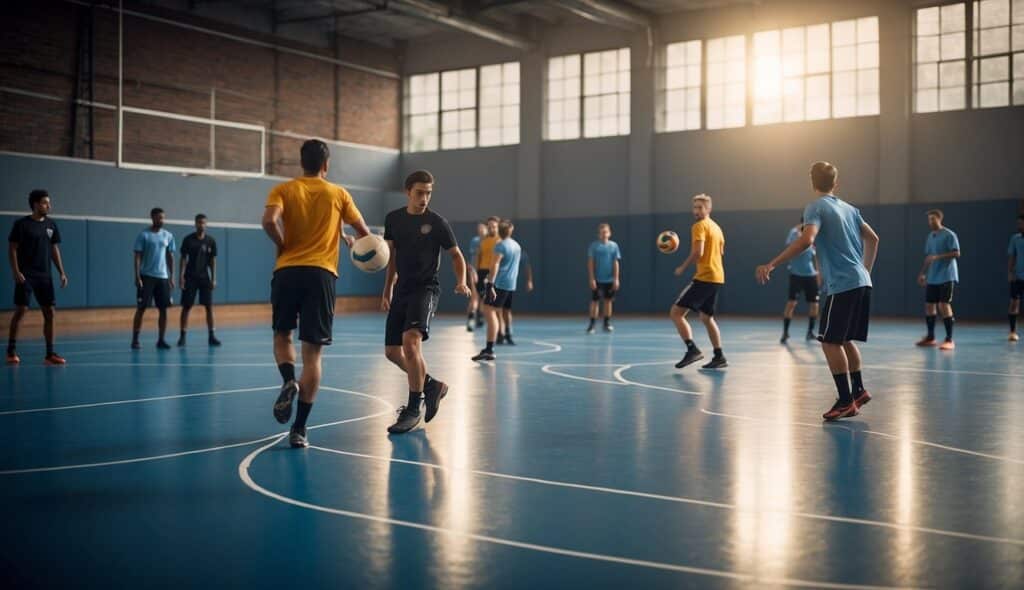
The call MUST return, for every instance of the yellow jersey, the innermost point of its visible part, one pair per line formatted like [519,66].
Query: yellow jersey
[485,258]
[709,267]
[312,210]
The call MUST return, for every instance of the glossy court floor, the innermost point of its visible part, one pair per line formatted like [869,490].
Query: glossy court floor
[572,461]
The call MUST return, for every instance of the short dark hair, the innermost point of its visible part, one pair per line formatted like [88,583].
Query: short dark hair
[314,154]
[155,211]
[493,218]
[935,212]
[418,176]
[505,228]
[823,176]
[37,196]
[200,216]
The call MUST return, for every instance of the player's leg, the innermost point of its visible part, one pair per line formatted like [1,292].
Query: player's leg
[474,302]
[490,312]
[609,301]
[595,303]
[707,317]
[931,299]
[946,310]
[316,330]
[206,300]
[853,362]
[309,386]
[49,333]
[143,297]
[20,308]
[787,317]
[162,295]
[812,317]
[841,312]
[1016,289]
[693,354]
[285,299]
[506,312]
[188,299]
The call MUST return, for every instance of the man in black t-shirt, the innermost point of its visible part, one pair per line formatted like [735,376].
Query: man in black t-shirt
[416,235]
[32,244]
[198,276]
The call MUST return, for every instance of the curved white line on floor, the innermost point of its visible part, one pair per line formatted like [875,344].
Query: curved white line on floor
[246,463]
[134,401]
[925,443]
[275,437]
[681,499]
[549,370]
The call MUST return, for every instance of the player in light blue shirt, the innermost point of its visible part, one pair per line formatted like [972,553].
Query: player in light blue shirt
[846,249]
[508,255]
[1015,273]
[473,316]
[603,268]
[939,276]
[803,278]
[154,274]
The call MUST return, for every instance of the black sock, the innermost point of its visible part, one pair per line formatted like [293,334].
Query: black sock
[930,321]
[718,353]
[287,371]
[490,346]
[414,400]
[211,332]
[592,320]
[135,336]
[49,349]
[949,327]
[470,315]
[843,385]
[1013,322]
[301,415]
[785,325]
[857,382]
[810,324]
[690,346]
[12,345]
[607,319]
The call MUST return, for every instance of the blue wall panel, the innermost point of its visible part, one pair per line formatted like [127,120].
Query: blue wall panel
[250,264]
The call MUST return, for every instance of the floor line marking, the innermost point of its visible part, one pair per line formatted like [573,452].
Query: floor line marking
[133,401]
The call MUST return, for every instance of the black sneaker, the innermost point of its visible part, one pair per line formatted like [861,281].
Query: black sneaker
[163,345]
[717,362]
[508,340]
[408,418]
[433,392]
[691,357]
[181,342]
[590,329]
[811,336]
[283,405]
[212,341]
[297,438]
[501,340]
[784,339]
[136,345]
[609,328]
[479,323]
[484,355]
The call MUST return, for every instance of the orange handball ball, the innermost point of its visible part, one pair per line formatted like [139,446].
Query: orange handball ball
[668,242]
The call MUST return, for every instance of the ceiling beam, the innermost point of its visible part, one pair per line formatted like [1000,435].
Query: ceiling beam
[441,14]
[607,12]
[337,14]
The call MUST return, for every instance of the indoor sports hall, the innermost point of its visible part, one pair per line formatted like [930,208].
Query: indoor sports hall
[445,294]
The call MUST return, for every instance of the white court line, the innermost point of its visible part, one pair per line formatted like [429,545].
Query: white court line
[246,463]
[133,401]
[681,499]
[275,437]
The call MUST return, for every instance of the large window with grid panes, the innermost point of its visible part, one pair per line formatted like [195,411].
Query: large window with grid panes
[588,95]
[462,108]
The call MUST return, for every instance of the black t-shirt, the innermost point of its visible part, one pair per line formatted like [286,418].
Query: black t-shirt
[199,253]
[418,240]
[34,239]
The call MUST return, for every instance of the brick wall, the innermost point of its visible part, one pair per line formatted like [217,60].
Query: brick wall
[172,69]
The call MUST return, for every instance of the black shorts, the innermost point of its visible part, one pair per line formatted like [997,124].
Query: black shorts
[202,286]
[154,291]
[1016,290]
[700,296]
[410,311]
[480,276]
[603,291]
[303,296]
[39,287]
[846,316]
[939,293]
[502,299]
[806,285]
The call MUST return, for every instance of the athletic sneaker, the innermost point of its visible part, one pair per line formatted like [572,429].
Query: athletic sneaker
[469,325]
[862,399]
[181,342]
[297,438]
[283,405]
[841,410]
[212,341]
[717,362]
[501,340]
[947,345]
[54,360]
[136,345]
[590,329]
[408,418]
[926,341]
[484,355]
[433,392]
[479,322]
[162,345]
[1013,337]
[811,336]
[784,339]
[609,328]
[508,340]
[691,357]
[13,358]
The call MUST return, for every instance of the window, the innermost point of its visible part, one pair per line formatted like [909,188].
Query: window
[458,109]
[792,75]
[855,67]
[682,85]
[499,104]
[588,95]
[422,103]
[940,71]
[727,82]
[998,44]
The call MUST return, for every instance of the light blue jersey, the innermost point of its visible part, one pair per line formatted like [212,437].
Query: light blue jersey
[1016,250]
[474,249]
[839,245]
[604,256]
[803,264]
[508,267]
[154,247]
[944,270]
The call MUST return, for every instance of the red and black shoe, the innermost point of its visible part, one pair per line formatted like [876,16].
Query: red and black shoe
[54,360]
[862,399]
[841,409]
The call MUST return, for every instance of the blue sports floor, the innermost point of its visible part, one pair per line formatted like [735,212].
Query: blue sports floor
[573,461]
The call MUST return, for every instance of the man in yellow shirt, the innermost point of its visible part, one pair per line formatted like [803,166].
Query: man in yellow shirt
[304,218]
[707,247]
